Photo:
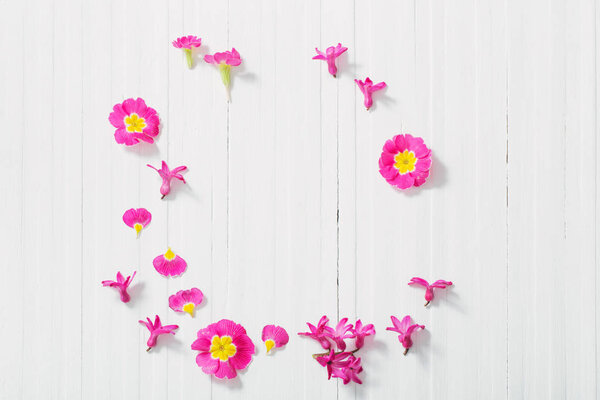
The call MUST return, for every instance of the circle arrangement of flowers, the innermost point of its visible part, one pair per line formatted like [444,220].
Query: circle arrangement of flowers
[134,121]
[405,161]
[224,349]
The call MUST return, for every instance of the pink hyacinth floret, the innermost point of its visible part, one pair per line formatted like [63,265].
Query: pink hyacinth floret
[350,371]
[186,300]
[121,284]
[361,332]
[224,349]
[135,122]
[156,329]
[137,218]
[319,332]
[330,55]
[405,161]
[367,88]
[169,264]
[274,336]
[334,361]
[440,284]
[405,330]
[187,42]
[342,331]
[166,174]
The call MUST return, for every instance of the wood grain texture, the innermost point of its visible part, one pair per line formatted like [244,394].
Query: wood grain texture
[285,216]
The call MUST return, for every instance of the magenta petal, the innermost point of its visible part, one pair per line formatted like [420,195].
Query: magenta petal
[226,370]
[208,364]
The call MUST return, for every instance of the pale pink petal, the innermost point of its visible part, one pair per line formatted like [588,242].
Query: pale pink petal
[208,364]
[226,370]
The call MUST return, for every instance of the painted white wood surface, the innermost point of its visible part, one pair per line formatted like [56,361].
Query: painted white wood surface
[285,216]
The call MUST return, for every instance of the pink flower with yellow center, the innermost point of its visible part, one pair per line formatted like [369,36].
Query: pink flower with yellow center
[274,336]
[169,264]
[405,161]
[186,300]
[134,121]
[224,348]
[137,218]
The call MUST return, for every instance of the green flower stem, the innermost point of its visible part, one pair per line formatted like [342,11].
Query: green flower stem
[188,57]
[225,71]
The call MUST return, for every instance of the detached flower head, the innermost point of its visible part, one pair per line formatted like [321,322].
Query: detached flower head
[166,174]
[187,43]
[169,264]
[274,336]
[361,332]
[134,122]
[319,332]
[349,372]
[224,348]
[121,284]
[156,329]
[186,300]
[224,61]
[341,332]
[405,329]
[334,361]
[367,88]
[405,161]
[440,284]
[137,218]
[330,56]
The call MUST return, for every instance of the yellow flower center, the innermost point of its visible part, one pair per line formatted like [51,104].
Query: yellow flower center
[135,123]
[189,308]
[222,348]
[169,255]
[270,343]
[138,228]
[405,161]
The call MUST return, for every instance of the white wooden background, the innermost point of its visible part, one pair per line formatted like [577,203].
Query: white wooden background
[285,216]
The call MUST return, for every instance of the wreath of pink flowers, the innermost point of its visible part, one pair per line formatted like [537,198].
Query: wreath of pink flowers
[224,347]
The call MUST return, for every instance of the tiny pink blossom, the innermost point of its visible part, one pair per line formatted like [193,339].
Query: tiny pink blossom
[349,372]
[169,264]
[224,61]
[187,43]
[186,300]
[274,337]
[137,218]
[405,329]
[405,161]
[156,329]
[134,122]
[361,332]
[319,332]
[224,349]
[341,332]
[330,56]
[166,174]
[367,88]
[121,284]
[440,284]
[334,361]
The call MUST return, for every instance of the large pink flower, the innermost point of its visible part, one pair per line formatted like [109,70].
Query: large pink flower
[137,218]
[134,121]
[224,348]
[405,161]
[187,43]
[169,264]
[186,300]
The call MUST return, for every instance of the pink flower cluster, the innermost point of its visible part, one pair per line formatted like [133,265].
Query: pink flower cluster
[339,362]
